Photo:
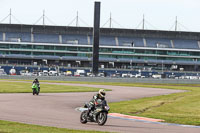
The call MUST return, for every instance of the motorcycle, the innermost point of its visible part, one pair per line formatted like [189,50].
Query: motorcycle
[36,89]
[97,115]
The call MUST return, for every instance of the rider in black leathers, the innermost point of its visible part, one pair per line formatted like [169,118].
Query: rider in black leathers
[100,95]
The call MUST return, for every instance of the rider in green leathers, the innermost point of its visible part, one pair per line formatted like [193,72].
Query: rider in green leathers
[36,84]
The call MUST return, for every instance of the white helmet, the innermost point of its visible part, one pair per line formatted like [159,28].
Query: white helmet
[102,92]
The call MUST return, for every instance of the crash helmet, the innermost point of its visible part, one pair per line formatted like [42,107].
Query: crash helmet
[36,79]
[102,92]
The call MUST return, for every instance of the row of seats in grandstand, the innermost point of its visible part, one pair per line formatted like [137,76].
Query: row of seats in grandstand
[150,61]
[104,40]
[101,59]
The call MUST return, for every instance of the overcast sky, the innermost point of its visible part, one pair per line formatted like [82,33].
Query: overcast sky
[159,14]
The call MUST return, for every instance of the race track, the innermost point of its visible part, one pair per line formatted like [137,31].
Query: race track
[58,110]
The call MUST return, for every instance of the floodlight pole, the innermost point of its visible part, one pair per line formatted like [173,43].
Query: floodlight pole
[43,17]
[77,19]
[96,30]
[143,22]
[10,16]
[176,24]
[110,21]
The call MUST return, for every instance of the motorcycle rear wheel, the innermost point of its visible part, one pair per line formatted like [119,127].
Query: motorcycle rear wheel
[83,117]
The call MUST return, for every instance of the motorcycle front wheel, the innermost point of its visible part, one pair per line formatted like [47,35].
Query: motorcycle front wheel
[83,117]
[34,92]
[102,118]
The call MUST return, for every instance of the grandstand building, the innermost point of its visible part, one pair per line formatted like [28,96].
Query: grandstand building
[119,48]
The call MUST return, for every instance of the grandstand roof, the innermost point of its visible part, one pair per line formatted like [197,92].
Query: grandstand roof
[47,29]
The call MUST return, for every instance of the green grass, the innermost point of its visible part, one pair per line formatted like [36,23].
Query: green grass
[181,108]
[14,127]
[18,87]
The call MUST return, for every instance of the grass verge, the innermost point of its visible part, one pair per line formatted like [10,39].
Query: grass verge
[181,108]
[18,87]
[14,127]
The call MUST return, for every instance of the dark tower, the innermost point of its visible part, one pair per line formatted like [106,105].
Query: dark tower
[95,61]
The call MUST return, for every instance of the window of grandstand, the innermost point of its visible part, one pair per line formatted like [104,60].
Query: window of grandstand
[161,45]
[85,49]
[184,53]
[14,46]
[105,50]
[24,46]
[72,41]
[15,39]
[38,47]
[14,52]
[59,48]
[72,49]
[139,51]
[4,46]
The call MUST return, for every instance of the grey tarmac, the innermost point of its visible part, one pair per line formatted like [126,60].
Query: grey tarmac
[58,109]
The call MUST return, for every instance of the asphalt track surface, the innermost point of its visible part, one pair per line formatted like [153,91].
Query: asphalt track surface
[58,110]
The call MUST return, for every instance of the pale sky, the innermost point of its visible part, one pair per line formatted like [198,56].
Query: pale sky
[159,14]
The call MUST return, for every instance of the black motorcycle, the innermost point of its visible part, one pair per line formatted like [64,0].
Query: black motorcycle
[98,114]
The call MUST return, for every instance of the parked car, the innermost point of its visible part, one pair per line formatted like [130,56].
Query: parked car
[101,75]
[25,73]
[45,73]
[2,72]
[40,74]
[69,73]
[53,73]
[80,73]
[127,75]
[156,76]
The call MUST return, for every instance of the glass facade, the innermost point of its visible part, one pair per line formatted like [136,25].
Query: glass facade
[105,52]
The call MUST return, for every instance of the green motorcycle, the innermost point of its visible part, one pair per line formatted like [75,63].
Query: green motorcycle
[36,89]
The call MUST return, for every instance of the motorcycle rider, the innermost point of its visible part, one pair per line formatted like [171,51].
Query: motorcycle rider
[100,95]
[36,81]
